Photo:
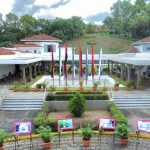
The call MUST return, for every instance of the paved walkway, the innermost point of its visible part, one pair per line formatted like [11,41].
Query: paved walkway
[105,142]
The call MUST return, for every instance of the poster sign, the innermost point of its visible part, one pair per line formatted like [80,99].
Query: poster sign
[22,127]
[143,125]
[65,123]
[107,123]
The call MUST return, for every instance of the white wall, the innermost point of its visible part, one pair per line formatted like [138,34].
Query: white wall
[5,69]
[139,47]
[31,49]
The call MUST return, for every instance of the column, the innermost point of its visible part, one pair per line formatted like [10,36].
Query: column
[111,67]
[30,72]
[35,71]
[121,73]
[108,66]
[23,68]
[129,72]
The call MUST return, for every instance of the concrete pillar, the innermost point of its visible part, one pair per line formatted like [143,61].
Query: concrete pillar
[121,73]
[108,66]
[129,72]
[23,68]
[35,71]
[30,73]
[111,67]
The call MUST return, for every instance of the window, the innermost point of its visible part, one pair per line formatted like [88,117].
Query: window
[35,51]
[49,48]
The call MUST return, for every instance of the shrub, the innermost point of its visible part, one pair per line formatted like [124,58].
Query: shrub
[117,114]
[76,105]
[46,108]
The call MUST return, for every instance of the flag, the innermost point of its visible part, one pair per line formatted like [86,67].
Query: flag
[86,62]
[65,62]
[100,61]
[73,64]
[92,61]
[80,61]
[52,64]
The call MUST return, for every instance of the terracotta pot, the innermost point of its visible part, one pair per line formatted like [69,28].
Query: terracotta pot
[15,89]
[47,145]
[36,89]
[105,88]
[65,89]
[26,90]
[81,89]
[2,148]
[140,87]
[116,88]
[44,89]
[94,89]
[129,88]
[86,143]
[124,141]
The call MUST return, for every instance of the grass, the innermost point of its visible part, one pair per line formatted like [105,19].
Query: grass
[111,45]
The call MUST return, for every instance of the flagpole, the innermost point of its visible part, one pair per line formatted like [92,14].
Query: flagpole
[100,62]
[53,65]
[92,64]
[59,66]
[73,65]
[86,63]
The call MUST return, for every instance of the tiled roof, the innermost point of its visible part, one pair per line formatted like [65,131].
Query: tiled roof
[145,40]
[41,37]
[6,52]
[132,50]
[26,45]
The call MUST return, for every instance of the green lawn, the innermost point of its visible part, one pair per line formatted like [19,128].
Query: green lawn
[111,45]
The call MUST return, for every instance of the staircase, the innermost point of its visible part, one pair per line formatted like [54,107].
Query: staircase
[23,101]
[132,99]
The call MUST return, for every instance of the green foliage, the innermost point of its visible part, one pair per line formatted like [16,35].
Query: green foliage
[117,114]
[96,84]
[87,133]
[3,135]
[77,105]
[130,83]
[67,96]
[46,108]
[122,131]
[81,83]
[16,84]
[45,133]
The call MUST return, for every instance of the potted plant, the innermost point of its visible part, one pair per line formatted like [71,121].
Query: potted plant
[15,86]
[46,135]
[95,86]
[116,86]
[105,88]
[81,85]
[129,85]
[26,89]
[141,85]
[53,88]
[44,84]
[3,135]
[87,134]
[35,89]
[122,132]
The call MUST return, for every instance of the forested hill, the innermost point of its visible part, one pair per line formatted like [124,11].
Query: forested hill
[110,45]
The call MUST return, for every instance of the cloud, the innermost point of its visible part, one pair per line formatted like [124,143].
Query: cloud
[60,3]
[100,17]
[21,7]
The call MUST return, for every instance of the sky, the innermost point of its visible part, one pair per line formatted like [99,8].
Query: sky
[90,10]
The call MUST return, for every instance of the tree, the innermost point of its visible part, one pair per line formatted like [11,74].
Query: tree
[76,105]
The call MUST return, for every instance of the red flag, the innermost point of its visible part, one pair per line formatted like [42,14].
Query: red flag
[92,61]
[65,62]
[80,61]
[52,66]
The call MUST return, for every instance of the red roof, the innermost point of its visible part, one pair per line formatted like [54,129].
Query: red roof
[132,50]
[41,37]
[6,52]
[145,40]
[26,45]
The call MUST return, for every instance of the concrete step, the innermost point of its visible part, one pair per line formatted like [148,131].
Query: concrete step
[133,107]
[21,108]
[22,103]
[133,102]
[26,98]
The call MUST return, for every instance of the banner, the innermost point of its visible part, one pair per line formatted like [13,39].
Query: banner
[65,62]
[65,124]
[143,125]
[22,128]
[107,123]
[80,62]
[73,65]
[87,66]
[92,61]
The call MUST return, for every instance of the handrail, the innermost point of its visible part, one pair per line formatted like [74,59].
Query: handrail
[2,95]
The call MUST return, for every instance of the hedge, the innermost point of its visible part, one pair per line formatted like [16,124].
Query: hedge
[64,97]
[117,114]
